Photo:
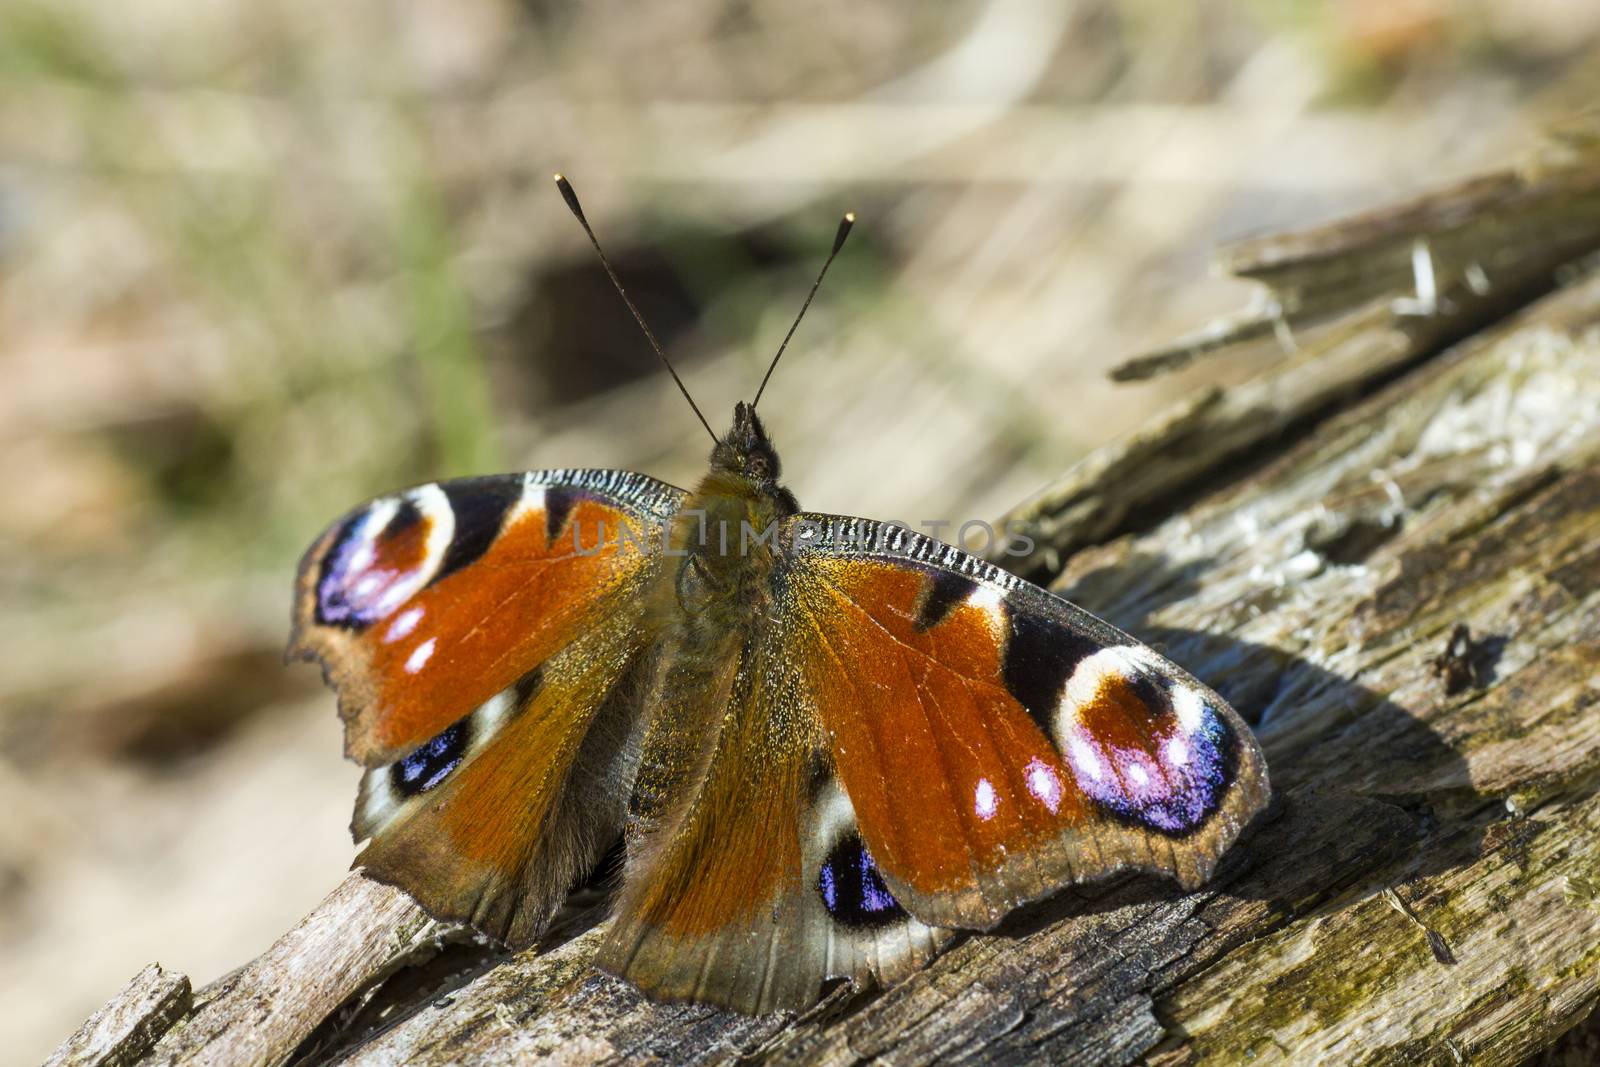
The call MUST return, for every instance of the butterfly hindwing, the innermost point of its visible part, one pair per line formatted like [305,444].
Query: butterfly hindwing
[753,886]
[496,819]
[996,742]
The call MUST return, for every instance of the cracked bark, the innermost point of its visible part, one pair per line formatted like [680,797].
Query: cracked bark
[1425,888]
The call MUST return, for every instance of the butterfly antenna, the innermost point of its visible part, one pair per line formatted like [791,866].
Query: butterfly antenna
[577,209]
[845,223]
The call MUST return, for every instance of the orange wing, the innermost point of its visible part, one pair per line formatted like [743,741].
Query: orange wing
[996,742]
[486,637]
[747,883]
[423,605]
[908,740]
[494,820]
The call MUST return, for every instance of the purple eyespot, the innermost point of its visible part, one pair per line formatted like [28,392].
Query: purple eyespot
[380,559]
[853,890]
[1171,786]
[432,762]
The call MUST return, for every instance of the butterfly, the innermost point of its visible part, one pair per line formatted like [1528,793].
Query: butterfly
[826,743]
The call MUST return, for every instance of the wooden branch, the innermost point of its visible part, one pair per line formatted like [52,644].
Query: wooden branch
[1345,303]
[1506,230]
[124,1030]
[261,1013]
[1425,888]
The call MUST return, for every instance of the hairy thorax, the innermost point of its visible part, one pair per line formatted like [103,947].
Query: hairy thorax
[722,552]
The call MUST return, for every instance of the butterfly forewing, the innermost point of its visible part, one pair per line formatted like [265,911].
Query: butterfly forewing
[996,742]
[424,604]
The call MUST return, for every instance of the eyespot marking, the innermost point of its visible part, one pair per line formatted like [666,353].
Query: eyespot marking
[403,624]
[985,802]
[432,762]
[480,509]
[941,592]
[558,504]
[420,656]
[1041,655]
[1044,783]
[1145,747]
[852,889]
[383,556]
[532,501]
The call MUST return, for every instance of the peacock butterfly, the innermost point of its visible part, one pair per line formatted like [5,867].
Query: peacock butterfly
[826,742]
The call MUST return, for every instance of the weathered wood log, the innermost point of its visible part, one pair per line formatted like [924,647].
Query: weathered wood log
[1449,250]
[1351,303]
[1427,886]
[263,1011]
[124,1030]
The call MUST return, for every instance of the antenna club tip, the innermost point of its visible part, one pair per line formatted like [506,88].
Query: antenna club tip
[845,223]
[569,195]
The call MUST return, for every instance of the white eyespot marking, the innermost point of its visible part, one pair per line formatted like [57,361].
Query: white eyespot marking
[532,501]
[435,508]
[403,624]
[363,556]
[419,656]
[1121,662]
[1177,752]
[1138,775]
[987,599]
[1190,706]
[832,817]
[1085,760]
[1044,784]
[376,520]
[493,711]
[990,601]
[378,800]
[435,505]
[984,801]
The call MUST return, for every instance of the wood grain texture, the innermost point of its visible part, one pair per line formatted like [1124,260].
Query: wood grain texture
[1424,889]
[1345,304]
[123,1031]
[1456,249]
[263,1011]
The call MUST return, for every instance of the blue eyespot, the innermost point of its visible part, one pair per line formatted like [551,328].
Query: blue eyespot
[431,763]
[356,586]
[1171,785]
[853,890]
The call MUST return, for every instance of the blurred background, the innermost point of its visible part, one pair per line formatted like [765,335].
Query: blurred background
[262,260]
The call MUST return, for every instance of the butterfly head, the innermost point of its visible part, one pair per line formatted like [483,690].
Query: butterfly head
[746,450]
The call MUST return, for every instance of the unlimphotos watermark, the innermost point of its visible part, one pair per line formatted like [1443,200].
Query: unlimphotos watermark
[1011,538]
